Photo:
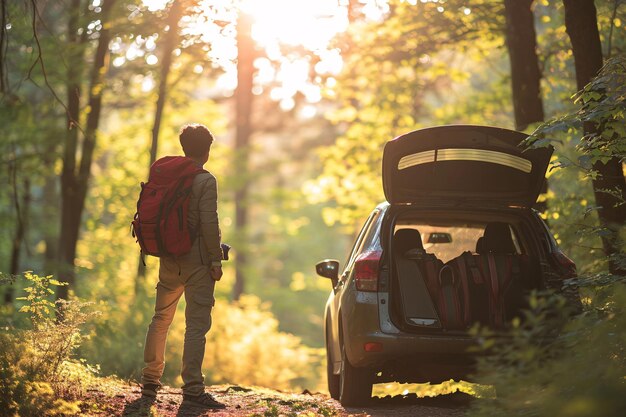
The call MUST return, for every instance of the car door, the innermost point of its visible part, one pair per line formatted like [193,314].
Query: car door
[343,280]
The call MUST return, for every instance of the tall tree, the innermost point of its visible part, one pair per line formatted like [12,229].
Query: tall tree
[521,42]
[22,208]
[3,46]
[75,174]
[170,43]
[609,186]
[243,109]
[525,73]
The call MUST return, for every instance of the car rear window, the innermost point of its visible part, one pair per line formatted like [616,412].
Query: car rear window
[372,240]
[364,235]
[447,241]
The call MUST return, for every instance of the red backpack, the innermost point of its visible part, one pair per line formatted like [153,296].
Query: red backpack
[160,224]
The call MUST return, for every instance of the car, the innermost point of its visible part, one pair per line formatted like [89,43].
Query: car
[456,242]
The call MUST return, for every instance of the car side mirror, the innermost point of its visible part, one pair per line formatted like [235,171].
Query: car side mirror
[328,268]
[439,237]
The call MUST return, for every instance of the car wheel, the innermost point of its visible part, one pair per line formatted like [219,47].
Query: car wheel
[355,386]
[333,380]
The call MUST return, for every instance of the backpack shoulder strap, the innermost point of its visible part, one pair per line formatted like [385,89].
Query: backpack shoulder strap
[495,293]
[449,306]
[462,270]
[470,260]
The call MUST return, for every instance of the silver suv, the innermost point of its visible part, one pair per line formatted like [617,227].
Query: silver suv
[457,242]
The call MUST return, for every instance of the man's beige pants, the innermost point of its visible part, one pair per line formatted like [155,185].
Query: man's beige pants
[186,274]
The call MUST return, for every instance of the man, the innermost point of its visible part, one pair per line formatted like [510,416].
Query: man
[195,275]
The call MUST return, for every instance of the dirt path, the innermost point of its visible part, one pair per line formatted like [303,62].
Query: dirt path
[124,400]
[453,405]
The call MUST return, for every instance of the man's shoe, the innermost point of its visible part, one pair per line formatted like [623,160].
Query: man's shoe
[205,400]
[150,390]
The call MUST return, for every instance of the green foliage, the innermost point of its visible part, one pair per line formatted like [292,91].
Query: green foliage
[572,220]
[245,346]
[38,374]
[553,363]
[420,65]
[289,238]
[23,389]
[556,365]
[38,304]
[117,336]
[7,279]
[602,105]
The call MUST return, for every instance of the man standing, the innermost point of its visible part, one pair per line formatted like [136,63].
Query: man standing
[194,274]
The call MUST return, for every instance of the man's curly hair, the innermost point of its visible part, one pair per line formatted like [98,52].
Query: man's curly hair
[196,139]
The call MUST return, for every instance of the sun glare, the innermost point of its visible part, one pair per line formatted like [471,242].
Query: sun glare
[276,25]
[154,5]
[311,24]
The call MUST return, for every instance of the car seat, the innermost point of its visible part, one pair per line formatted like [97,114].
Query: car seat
[416,273]
[504,272]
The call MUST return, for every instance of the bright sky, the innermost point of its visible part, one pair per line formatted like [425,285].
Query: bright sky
[311,24]
[307,23]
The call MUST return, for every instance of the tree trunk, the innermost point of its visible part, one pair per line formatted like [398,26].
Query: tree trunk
[76,51]
[74,184]
[582,27]
[521,42]
[22,209]
[4,77]
[169,44]
[525,74]
[243,107]
[50,234]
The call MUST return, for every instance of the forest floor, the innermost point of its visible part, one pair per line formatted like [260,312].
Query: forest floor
[124,400]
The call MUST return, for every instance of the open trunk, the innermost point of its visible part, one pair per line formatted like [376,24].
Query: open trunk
[460,164]
[475,258]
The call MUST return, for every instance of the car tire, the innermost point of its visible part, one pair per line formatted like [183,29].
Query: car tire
[355,384]
[334,383]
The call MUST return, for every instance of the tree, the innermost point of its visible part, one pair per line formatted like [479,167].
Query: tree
[76,173]
[525,74]
[521,43]
[169,44]
[22,209]
[3,42]
[243,111]
[609,185]
[30,125]
[396,76]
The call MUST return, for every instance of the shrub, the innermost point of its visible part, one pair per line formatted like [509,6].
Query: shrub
[554,365]
[38,375]
[244,346]
[23,389]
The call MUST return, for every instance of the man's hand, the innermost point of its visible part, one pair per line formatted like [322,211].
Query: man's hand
[216,273]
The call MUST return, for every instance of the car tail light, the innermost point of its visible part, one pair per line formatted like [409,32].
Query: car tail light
[373,347]
[566,263]
[366,271]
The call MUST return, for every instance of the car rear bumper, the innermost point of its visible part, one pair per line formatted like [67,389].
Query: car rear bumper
[411,347]
[368,346]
